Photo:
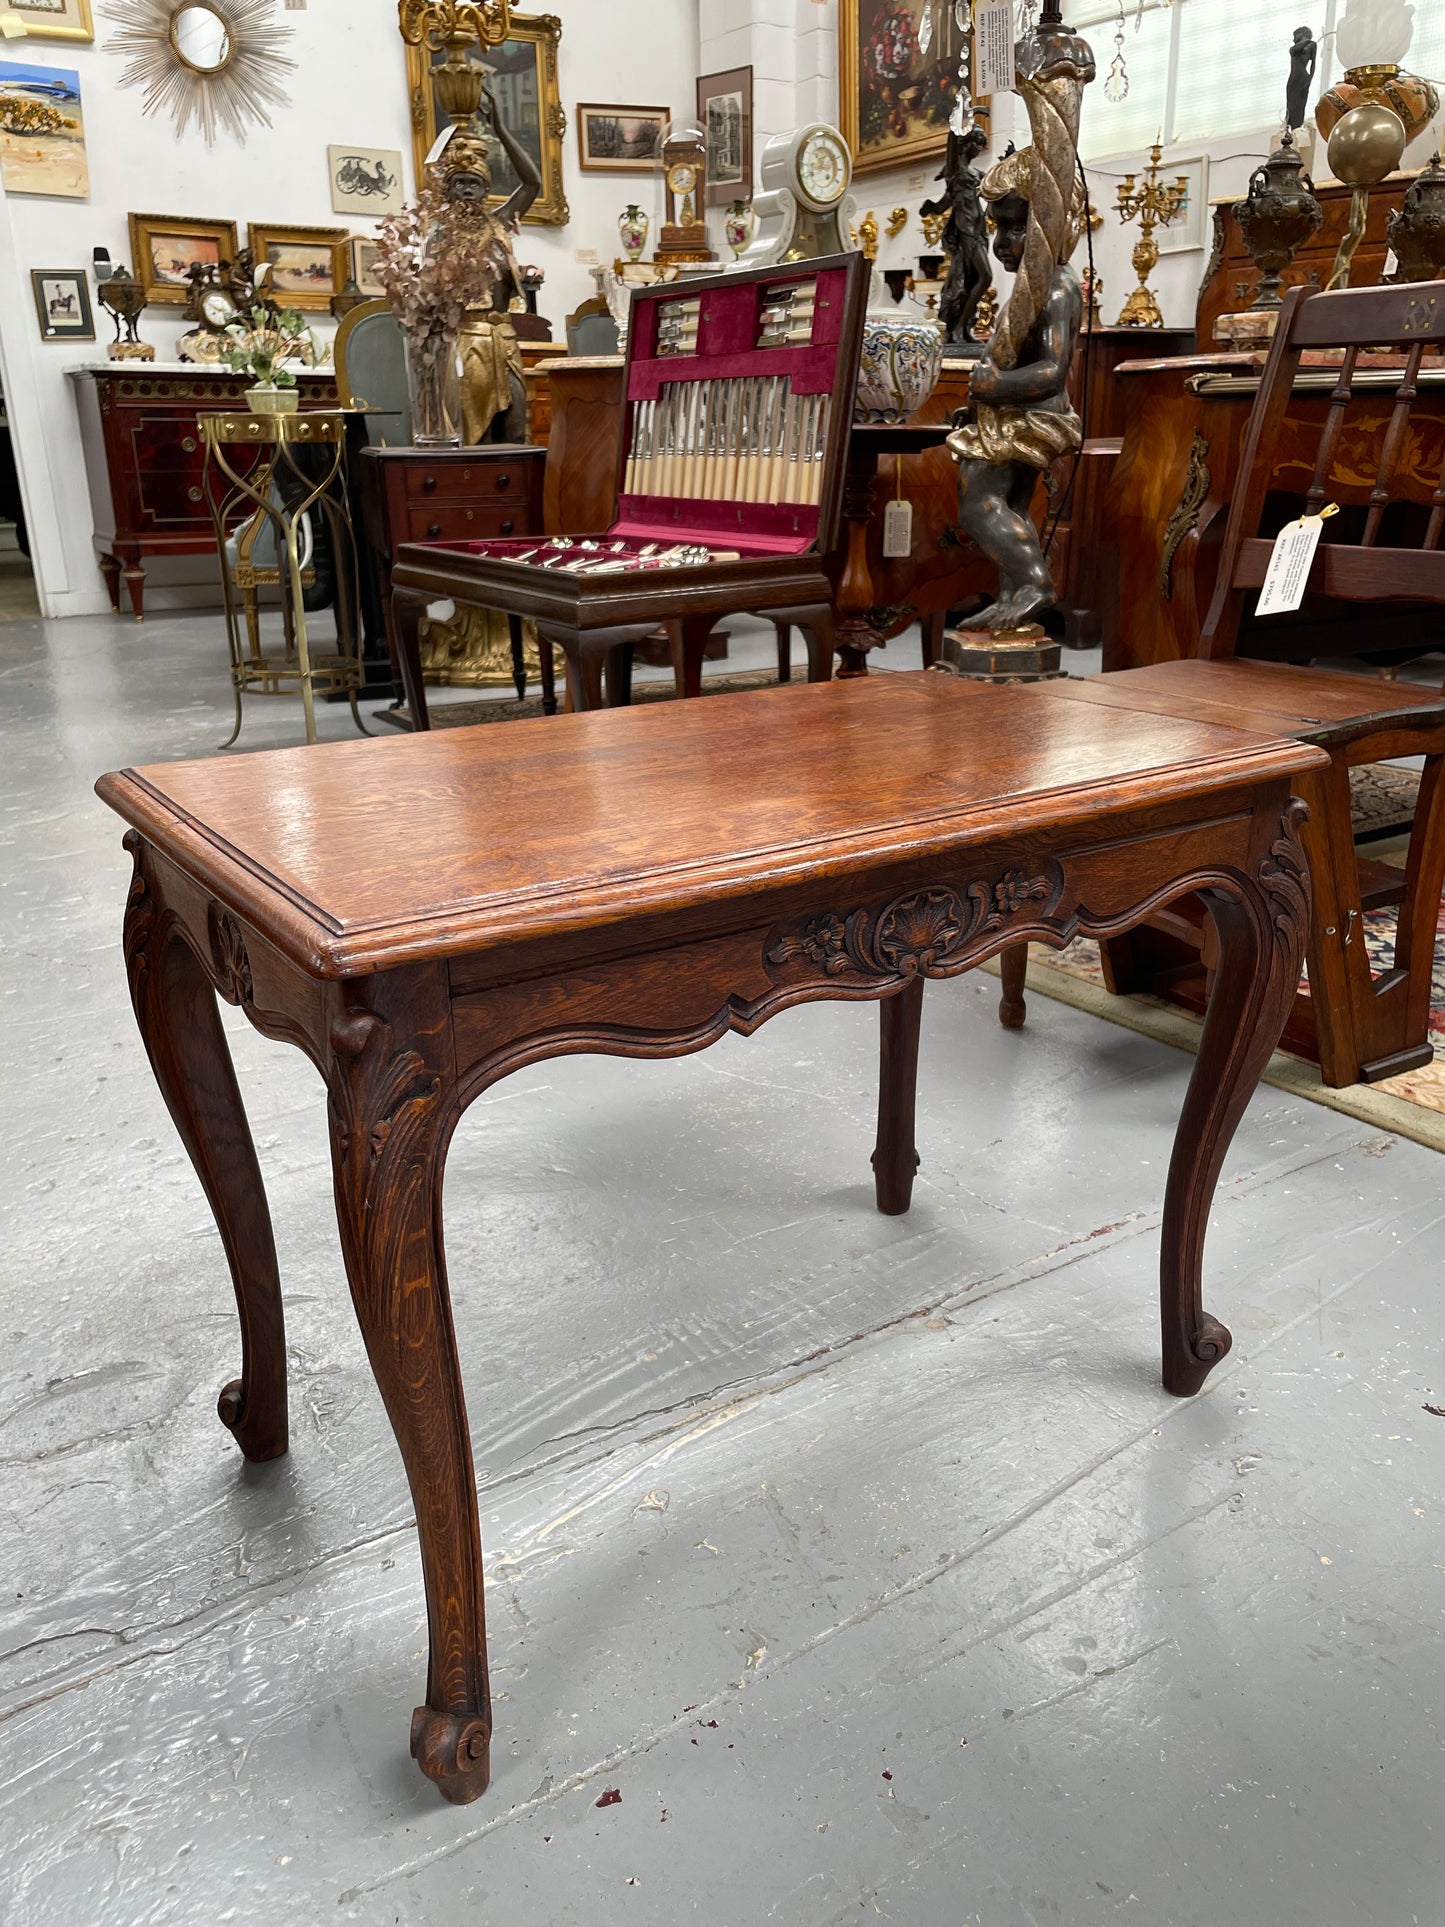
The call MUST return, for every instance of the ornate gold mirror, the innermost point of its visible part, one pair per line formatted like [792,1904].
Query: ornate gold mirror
[200,38]
[217,62]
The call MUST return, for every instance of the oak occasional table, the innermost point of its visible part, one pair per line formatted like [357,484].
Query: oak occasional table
[640,882]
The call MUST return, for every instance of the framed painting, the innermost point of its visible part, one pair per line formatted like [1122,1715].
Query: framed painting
[62,304]
[55,19]
[1189,229]
[365,180]
[42,132]
[308,264]
[364,254]
[619,140]
[897,79]
[725,111]
[165,247]
[523,78]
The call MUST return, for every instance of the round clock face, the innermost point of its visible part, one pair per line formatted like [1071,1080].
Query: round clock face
[682,178]
[219,310]
[823,168]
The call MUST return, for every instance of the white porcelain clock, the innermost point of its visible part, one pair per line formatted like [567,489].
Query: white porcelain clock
[804,207]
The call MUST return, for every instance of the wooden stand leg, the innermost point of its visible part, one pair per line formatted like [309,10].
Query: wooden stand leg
[391,1084]
[1339,965]
[175,1007]
[1261,943]
[1013,969]
[687,639]
[895,1157]
[584,669]
[931,628]
[549,674]
[135,584]
[818,634]
[619,676]
[784,632]
[407,610]
[110,569]
[519,659]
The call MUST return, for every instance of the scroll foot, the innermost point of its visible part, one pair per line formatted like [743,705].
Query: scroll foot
[454,1752]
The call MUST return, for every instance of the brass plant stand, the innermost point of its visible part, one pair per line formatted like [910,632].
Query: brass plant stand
[244,507]
[1154,205]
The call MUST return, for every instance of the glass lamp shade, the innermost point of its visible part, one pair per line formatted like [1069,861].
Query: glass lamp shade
[1374,32]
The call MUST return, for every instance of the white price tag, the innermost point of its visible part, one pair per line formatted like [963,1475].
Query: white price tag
[897,530]
[1289,566]
[993,47]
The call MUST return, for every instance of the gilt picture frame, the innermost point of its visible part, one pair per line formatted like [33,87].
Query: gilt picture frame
[619,140]
[308,264]
[897,79]
[523,79]
[54,19]
[1189,232]
[725,111]
[164,247]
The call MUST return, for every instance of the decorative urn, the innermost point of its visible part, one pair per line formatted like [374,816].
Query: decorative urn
[1416,229]
[1276,218]
[902,359]
[738,224]
[632,230]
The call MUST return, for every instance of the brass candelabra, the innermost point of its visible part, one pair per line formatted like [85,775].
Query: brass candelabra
[453,27]
[1154,204]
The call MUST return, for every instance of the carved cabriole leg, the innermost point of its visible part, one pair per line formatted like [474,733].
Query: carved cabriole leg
[175,1007]
[1013,970]
[1261,943]
[392,1089]
[895,1157]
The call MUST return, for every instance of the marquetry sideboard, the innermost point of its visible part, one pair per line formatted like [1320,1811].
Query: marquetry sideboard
[143,458]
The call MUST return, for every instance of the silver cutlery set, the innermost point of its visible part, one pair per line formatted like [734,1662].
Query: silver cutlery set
[586,555]
[745,440]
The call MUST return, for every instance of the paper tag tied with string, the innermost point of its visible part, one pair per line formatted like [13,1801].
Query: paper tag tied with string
[897,521]
[1290,564]
[993,47]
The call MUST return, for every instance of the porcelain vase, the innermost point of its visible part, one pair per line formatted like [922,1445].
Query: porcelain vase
[632,228]
[738,225]
[901,361]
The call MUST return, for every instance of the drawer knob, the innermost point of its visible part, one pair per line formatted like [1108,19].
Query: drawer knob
[508,528]
[433,530]
[429,482]
[504,480]
[194,494]
[188,443]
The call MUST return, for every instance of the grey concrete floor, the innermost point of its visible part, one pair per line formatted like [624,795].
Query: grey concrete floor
[864,1557]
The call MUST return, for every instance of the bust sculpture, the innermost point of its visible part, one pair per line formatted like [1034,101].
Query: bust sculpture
[1019,417]
[963,240]
[494,405]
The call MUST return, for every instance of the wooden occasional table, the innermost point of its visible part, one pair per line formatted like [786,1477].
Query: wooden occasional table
[640,883]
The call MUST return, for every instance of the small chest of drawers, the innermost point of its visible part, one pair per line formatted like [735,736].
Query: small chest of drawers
[446,495]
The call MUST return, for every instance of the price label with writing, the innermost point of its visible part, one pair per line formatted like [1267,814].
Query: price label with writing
[1289,565]
[897,530]
[993,47]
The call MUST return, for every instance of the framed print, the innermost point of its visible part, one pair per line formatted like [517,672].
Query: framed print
[62,304]
[523,79]
[308,264]
[897,79]
[55,19]
[165,247]
[619,140]
[363,267]
[1189,230]
[42,134]
[365,180]
[725,109]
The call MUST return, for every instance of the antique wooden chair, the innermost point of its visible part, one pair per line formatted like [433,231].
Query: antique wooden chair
[1384,546]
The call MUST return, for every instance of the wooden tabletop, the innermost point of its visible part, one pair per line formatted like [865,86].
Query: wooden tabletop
[357,856]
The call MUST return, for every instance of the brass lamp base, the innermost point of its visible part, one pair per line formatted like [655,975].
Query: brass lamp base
[131,351]
[1015,655]
[1141,310]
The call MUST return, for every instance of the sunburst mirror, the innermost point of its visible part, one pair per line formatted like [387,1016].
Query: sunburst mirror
[217,62]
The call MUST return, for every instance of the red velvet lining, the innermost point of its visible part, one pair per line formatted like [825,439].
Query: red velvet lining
[730,320]
[772,528]
[667,535]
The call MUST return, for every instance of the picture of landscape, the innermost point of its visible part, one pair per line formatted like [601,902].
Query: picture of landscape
[42,133]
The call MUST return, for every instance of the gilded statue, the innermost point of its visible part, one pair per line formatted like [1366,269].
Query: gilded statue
[494,401]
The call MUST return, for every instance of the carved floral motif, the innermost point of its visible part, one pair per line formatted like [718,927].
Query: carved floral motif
[923,934]
[233,966]
[1186,511]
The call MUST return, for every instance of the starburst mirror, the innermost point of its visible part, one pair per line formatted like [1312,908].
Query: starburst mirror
[216,62]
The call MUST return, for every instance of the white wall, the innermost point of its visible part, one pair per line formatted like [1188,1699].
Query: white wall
[349,86]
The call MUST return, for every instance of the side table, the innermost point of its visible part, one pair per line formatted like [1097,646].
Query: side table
[273,494]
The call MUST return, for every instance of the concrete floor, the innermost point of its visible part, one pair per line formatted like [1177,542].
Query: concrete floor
[891,1511]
